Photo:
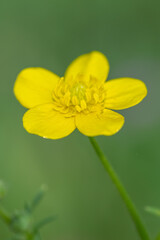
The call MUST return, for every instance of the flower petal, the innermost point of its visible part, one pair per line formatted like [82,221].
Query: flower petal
[34,86]
[94,124]
[93,64]
[44,121]
[124,93]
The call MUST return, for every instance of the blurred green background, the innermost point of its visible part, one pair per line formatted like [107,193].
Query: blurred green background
[51,34]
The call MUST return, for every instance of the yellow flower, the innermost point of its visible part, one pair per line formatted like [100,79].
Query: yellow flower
[81,99]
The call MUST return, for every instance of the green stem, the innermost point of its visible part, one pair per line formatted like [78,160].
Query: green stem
[128,202]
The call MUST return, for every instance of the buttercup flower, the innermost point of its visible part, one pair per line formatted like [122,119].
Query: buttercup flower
[81,99]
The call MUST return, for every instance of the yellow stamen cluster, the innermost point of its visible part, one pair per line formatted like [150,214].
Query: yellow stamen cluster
[77,96]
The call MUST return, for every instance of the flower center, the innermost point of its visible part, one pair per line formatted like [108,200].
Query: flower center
[78,96]
[78,91]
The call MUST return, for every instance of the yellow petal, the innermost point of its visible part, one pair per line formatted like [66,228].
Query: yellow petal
[93,64]
[34,86]
[44,121]
[94,124]
[124,93]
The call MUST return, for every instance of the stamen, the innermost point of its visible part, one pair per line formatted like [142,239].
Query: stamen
[83,104]
[96,97]
[78,108]
[59,91]
[54,97]
[88,96]
[67,98]
[75,100]
[102,97]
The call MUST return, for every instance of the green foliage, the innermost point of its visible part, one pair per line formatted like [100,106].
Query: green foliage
[21,222]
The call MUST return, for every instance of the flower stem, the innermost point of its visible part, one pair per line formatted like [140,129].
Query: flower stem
[124,195]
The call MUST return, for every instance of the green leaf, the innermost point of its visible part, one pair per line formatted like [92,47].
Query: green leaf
[37,199]
[44,222]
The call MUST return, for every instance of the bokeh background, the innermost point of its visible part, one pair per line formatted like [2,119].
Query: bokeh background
[51,34]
